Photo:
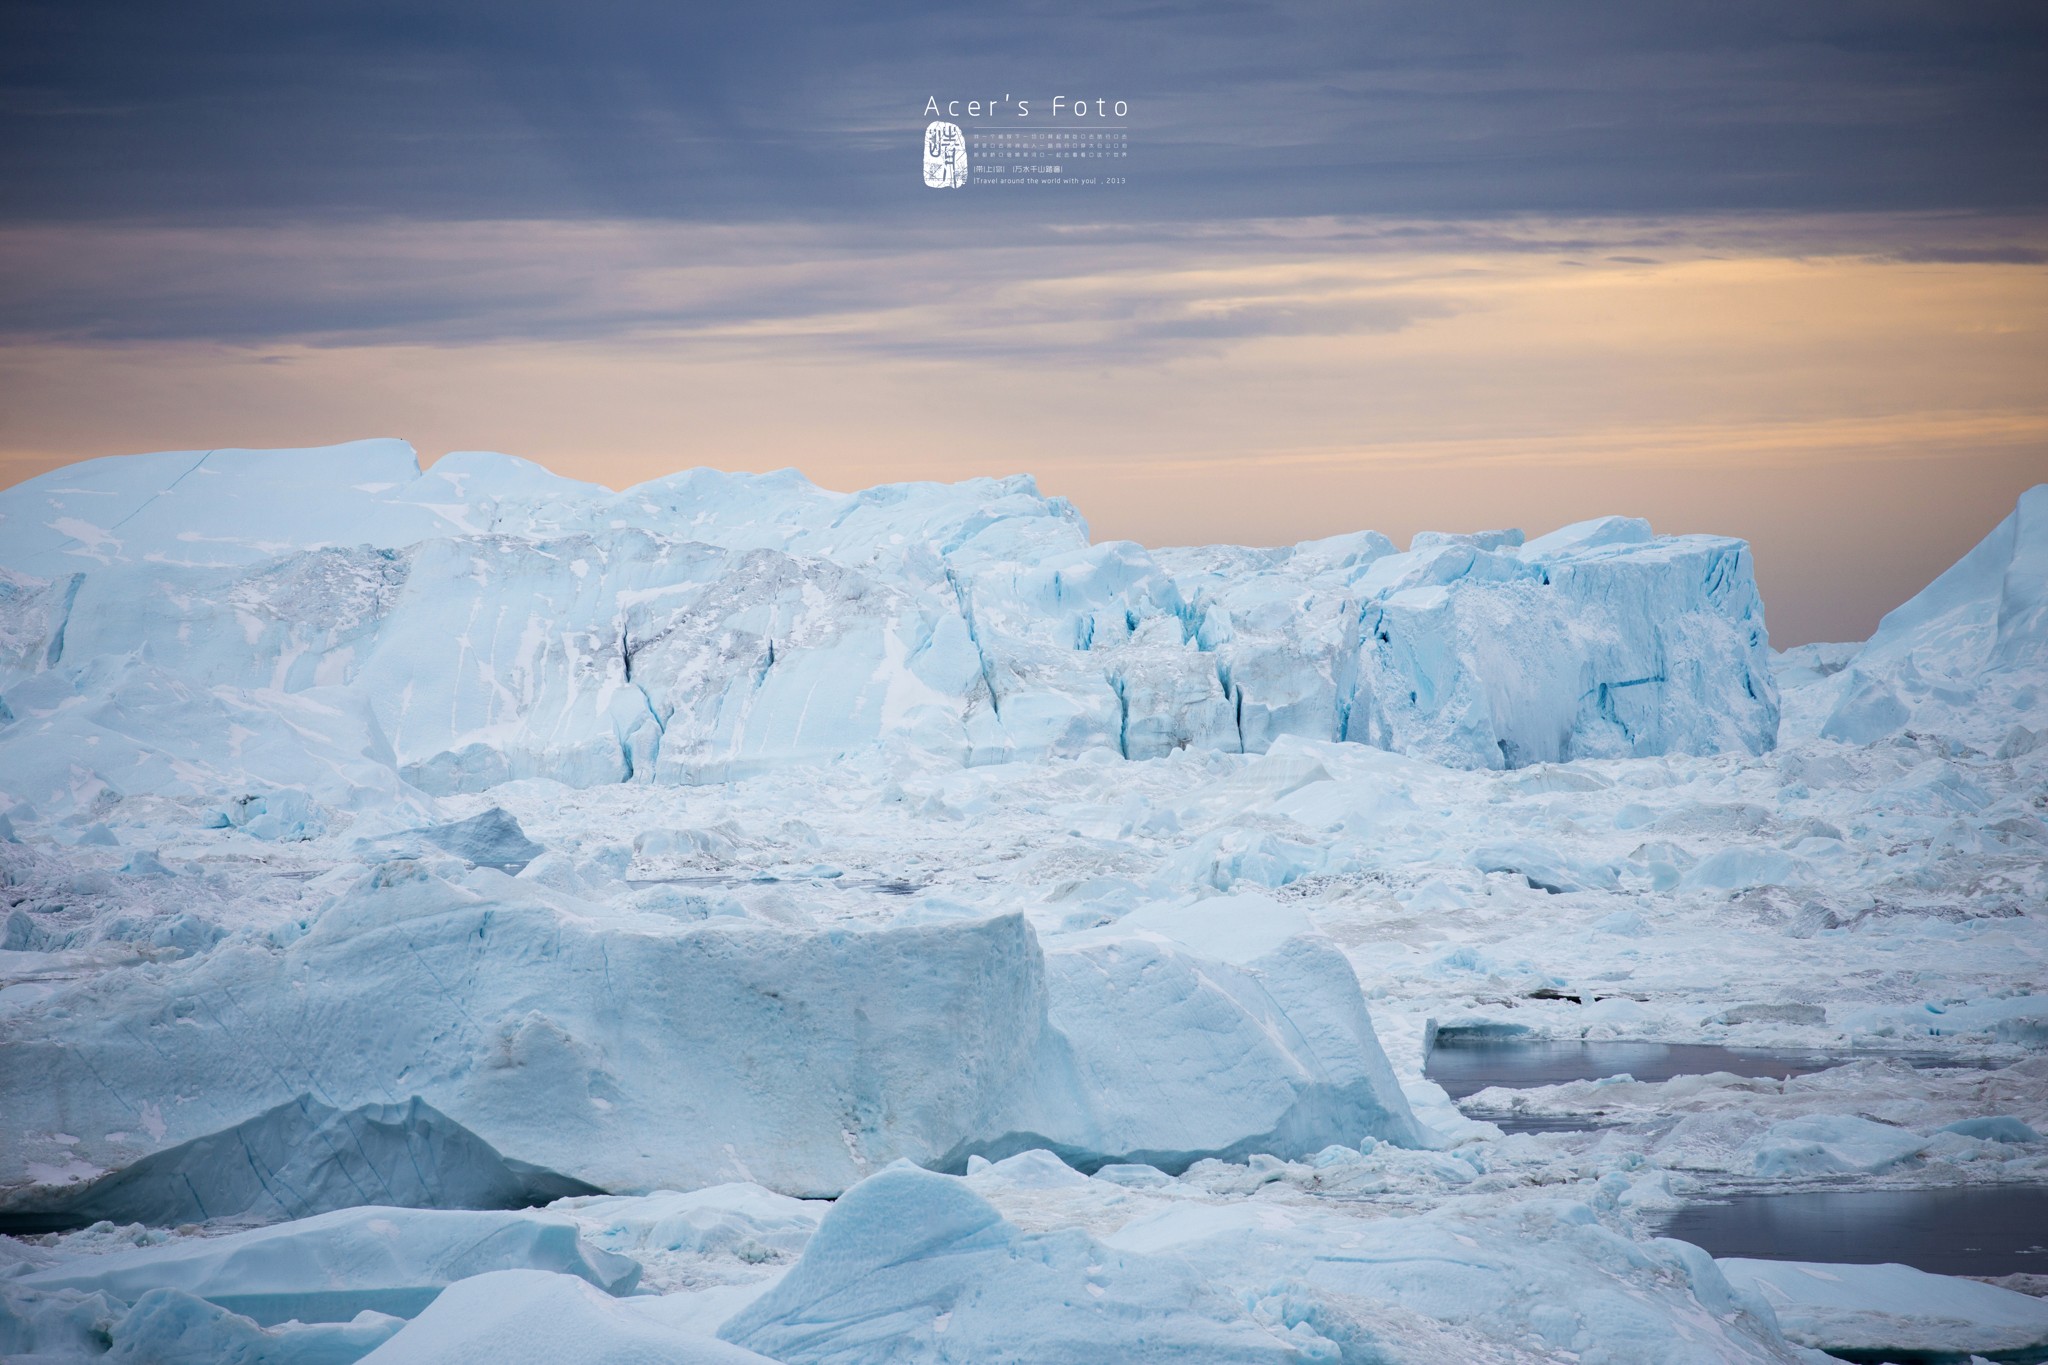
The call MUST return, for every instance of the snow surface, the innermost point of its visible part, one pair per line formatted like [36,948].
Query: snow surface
[530,1317]
[1078,917]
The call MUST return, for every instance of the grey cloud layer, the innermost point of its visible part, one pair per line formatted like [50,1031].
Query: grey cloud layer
[1113,293]
[224,109]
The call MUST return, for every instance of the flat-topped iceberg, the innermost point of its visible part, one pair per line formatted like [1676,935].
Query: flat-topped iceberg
[626,1050]
[486,620]
[1893,1311]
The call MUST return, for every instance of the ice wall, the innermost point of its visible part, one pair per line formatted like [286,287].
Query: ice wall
[632,1051]
[1961,658]
[487,620]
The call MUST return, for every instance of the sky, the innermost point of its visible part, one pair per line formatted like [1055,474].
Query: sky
[1768,270]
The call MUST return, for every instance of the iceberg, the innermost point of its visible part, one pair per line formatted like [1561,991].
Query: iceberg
[333,1266]
[484,621]
[753,1223]
[1833,1144]
[629,1055]
[914,1266]
[1217,1029]
[1962,657]
[631,1051]
[171,1327]
[1878,1311]
[299,1159]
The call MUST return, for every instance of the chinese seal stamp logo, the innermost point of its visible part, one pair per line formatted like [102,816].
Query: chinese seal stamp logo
[945,157]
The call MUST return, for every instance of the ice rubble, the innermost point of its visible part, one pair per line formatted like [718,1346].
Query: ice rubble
[1024,1260]
[915,1266]
[1050,1257]
[993,875]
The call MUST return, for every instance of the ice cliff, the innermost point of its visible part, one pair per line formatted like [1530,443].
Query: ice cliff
[337,621]
[1963,657]
[629,1050]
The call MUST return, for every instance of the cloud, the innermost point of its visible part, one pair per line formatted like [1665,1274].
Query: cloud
[1974,255]
[1033,294]
[229,110]
[1111,294]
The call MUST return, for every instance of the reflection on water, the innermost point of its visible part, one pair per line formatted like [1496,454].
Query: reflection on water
[1976,1230]
[1465,1066]
[1537,1123]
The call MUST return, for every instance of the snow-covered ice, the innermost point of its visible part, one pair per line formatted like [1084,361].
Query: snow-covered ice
[529,1317]
[386,849]
[1893,1308]
[333,1266]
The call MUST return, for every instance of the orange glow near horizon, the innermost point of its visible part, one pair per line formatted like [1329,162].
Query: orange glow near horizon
[1860,419]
